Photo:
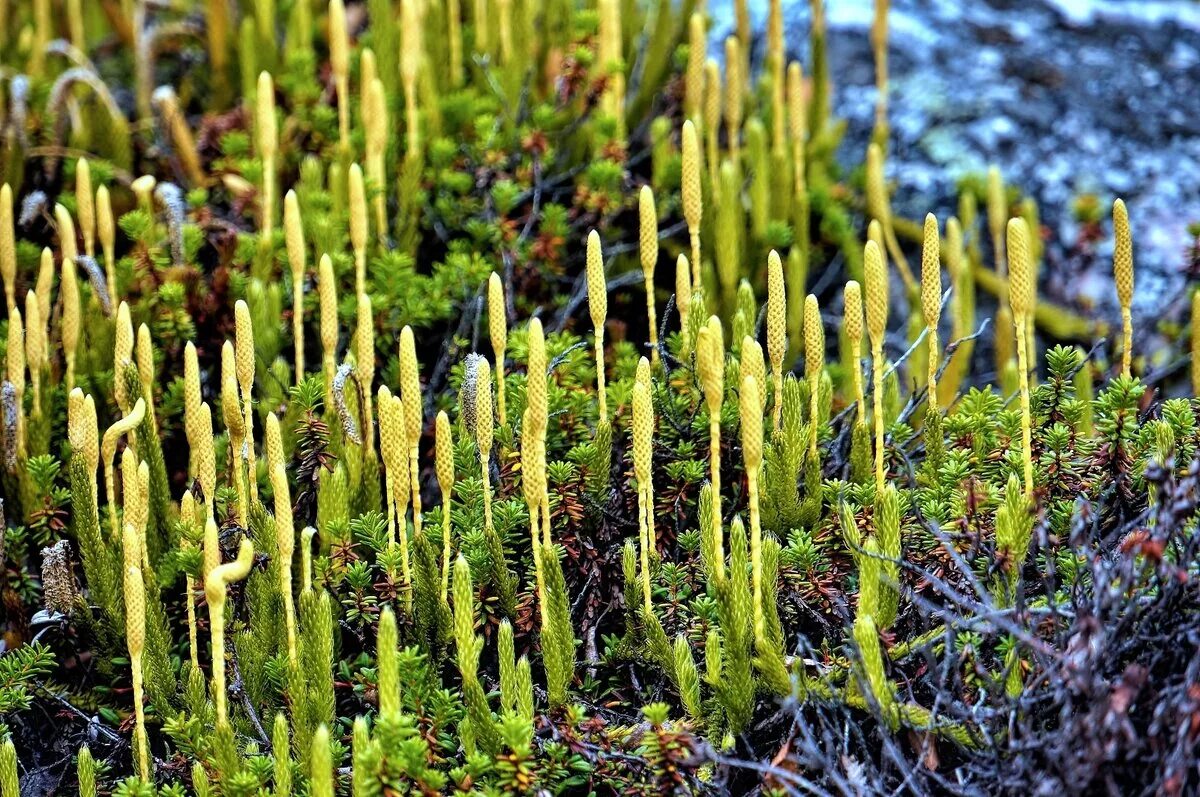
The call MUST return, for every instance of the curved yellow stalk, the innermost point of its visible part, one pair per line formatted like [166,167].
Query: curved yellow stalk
[216,586]
[108,448]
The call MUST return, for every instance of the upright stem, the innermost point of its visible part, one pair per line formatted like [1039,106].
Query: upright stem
[1023,375]
[877,379]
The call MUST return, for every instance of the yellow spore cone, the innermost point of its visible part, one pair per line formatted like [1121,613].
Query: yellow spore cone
[1123,276]
[875,274]
[931,296]
[498,332]
[598,305]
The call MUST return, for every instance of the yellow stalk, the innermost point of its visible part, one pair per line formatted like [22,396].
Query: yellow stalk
[648,251]
[997,215]
[293,230]
[693,81]
[273,444]
[454,29]
[245,377]
[122,355]
[106,229]
[931,297]
[216,587]
[643,436]
[879,207]
[411,34]
[752,448]
[797,123]
[70,319]
[377,127]
[710,362]
[8,248]
[734,85]
[879,43]
[145,367]
[484,431]
[598,305]
[444,461]
[402,491]
[537,403]
[1123,276]
[814,364]
[875,273]
[306,574]
[414,416]
[712,112]
[285,539]
[498,331]
[776,328]
[182,140]
[364,354]
[852,321]
[339,62]
[108,449]
[327,291]
[135,640]
[1196,343]
[1021,293]
[392,446]
[268,143]
[692,196]
[85,438]
[85,206]
[35,348]
[15,362]
[683,300]
[206,457]
[235,423]
[188,516]
[358,227]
